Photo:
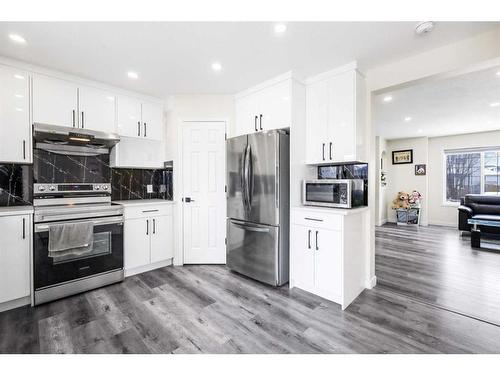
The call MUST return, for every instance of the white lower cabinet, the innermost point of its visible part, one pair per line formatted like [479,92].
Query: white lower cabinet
[327,253]
[148,237]
[15,248]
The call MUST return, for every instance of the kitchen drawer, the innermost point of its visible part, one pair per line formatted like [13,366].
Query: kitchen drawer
[317,219]
[136,212]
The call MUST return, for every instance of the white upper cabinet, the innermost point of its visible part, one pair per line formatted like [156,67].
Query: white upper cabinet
[128,116]
[265,107]
[55,101]
[275,108]
[15,127]
[96,109]
[140,119]
[152,120]
[335,118]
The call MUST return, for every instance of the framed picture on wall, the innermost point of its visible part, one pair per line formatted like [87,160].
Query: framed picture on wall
[402,157]
[420,169]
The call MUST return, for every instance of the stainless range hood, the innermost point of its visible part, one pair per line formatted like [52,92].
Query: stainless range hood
[73,141]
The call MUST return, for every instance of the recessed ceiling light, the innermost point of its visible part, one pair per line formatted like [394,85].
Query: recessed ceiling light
[387,98]
[216,66]
[408,119]
[17,38]
[424,27]
[19,96]
[420,130]
[18,76]
[498,73]
[495,104]
[279,28]
[132,75]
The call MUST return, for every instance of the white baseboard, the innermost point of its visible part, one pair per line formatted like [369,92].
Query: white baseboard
[371,283]
[9,305]
[147,267]
[444,223]
[382,222]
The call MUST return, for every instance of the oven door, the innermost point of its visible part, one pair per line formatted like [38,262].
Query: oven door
[106,254]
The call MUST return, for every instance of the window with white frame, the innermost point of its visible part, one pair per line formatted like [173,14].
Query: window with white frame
[471,172]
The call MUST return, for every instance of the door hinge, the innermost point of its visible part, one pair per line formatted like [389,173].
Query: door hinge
[225,135]
[225,241]
[225,189]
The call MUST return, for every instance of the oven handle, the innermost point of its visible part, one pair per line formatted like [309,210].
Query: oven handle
[45,227]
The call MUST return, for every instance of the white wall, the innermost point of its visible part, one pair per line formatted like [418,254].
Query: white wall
[401,177]
[440,213]
[180,108]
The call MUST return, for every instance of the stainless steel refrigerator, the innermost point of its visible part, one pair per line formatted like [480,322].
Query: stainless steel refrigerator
[258,204]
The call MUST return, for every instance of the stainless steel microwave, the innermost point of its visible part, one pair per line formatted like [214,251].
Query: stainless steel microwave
[345,193]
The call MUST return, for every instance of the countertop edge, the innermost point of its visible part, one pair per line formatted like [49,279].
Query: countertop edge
[16,210]
[335,211]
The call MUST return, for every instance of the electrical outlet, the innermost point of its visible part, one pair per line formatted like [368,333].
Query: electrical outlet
[149,189]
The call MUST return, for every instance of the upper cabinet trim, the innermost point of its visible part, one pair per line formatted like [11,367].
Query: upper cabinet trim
[330,73]
[38,70]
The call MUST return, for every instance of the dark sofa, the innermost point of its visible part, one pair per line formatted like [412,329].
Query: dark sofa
[476,206]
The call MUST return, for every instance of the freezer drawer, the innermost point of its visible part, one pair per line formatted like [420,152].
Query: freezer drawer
[253,250]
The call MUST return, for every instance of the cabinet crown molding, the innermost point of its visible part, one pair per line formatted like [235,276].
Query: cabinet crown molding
[268,83]
[333,72]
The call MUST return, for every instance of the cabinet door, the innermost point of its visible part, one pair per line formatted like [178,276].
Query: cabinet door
[15,257]
[136,241]
[129,117]
[317,123]
[96,109]
[275,106]
[54,101]
[247,120]
[302,257]
[162,244]
[138,153]
[152,121]
[328,263]
[15,124]
[341,118]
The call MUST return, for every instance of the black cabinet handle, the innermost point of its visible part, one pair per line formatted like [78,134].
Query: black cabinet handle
[323,151]
[331,158]
[260,121]
[154,226]
[145,129]
[147,227]
[24,149]
[138,128]
[24,228]
[73,118]
[83,121]
[255,124]
[309,239]
[317,247]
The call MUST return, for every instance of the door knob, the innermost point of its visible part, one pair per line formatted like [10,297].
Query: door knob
[188,199]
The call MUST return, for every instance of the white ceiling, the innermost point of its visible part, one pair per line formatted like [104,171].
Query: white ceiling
[457,105]
[176,57]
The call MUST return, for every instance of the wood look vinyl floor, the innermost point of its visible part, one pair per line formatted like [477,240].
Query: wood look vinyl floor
[208,309]
[437,265]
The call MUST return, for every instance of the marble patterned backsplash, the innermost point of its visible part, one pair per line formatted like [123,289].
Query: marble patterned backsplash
[49,167]
[127,184]
[16,185]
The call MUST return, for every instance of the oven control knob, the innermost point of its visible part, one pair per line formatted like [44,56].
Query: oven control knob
[41,188]
[105,187]
[52,188]
[97,187]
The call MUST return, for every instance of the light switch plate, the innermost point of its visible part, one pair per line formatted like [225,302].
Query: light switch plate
[149,188]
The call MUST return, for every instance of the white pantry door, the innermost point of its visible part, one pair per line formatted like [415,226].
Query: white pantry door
[204,197]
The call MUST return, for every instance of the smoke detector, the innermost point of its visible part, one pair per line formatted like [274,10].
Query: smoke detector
[424,27]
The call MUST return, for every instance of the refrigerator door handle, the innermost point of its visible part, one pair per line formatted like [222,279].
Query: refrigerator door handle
[242,178]
[250,228]
[249,176]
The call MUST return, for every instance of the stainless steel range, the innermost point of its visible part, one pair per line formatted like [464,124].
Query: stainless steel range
[78,239]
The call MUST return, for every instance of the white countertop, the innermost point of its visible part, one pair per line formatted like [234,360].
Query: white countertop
[16,210]
[331,210]
[142,202]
